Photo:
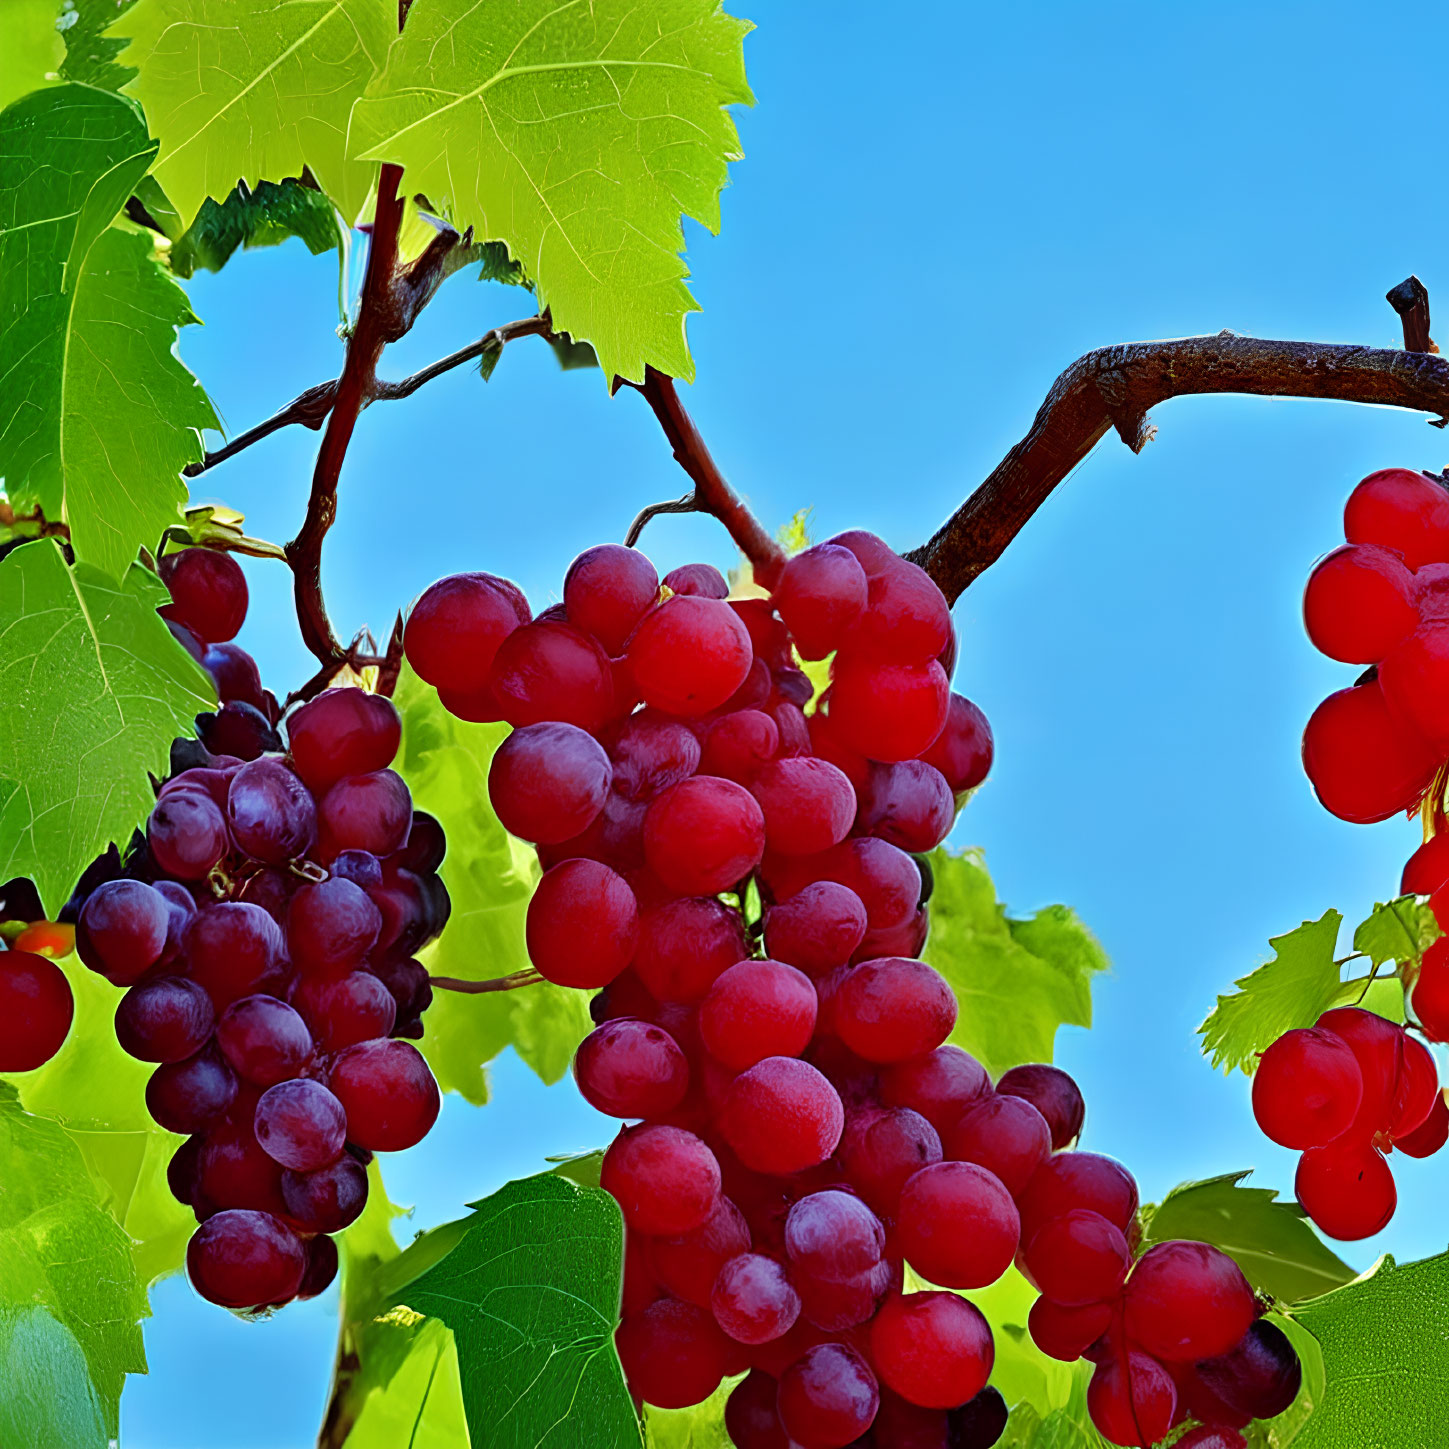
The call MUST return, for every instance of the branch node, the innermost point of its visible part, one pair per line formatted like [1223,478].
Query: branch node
[1410,299]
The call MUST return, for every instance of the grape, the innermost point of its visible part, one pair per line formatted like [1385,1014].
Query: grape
[906,618]
[233,949]
[1078,1258]
[1078,1180]
[583,924]
[933,1349]
[1132,1399]
[187,640]
[321,1267]
[241,1259]
[122,930]
[1428,867]
[1426,1139]
[238,729]
[794,730]
[650,753]
[425,848]
[1004,1134]
[752,1300]
[208,593]
[702,579]
[270,889]
[183,1174]
[236,675]
[888,712]
[548,782]
[342,732]
[552,671]
[455,629]
[894,1009]
[827,740]
[200,780]
[1414,677]
[821,593]
[478,707]
[1378,1047]
[615,837]
[808,805]
[836,1307]
[1067,1333]
[704,836]
[940,1085]
[365,812]
[738,745]
[264,1039]
[1417,1088]
[935,1203]
[749,1416]
[1346,1188]
[827,1398]
[886,879]
[904,1425]
[1359,603]
[909,804]
[188,1096]
[607,590]
[234,1172]
[272,815]
[673,1354]
[630,1068]
[881,1149]
[665,1180]
[757,1009]
[874,554]
[409,986]
[688,1264]
[690,655]
[1364,765]
[1053,1093]
[817,929]
[390,1097]
[979,1424]
[331,926]
[36,1008]
[781,1116]
[301,1125]
[1259,1376]
[329,1199]
[164,1020]
[833,1236]
[684,945]
[1211,1436]
[1401,510]
[1430,996]
[1307,1089]
[1185,1301]
[187,834]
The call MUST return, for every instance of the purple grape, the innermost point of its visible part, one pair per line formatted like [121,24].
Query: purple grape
[165,1020]
[273,818]
[331,926]
[234,949]
[264,1039]
[187,834]
[327,1200]
[361,867]
[190,1095]
[122,930]
[301,1125]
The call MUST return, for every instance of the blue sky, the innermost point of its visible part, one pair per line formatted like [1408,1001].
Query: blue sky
[932,221]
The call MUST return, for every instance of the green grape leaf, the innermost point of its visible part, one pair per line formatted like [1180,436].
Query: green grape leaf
[247,90]
[577,135]
[46,1395]
[33,50]
[421,1403]
[490,877]
[97,1092]
[1016,981]
[1385,1358]
[531,1292]
[1397,930]
[93,688]
[1294,989]
[699,1427]
[104,415]
[248,218]
[62,1252]
[90,53]
[1270,1241]
[100,415]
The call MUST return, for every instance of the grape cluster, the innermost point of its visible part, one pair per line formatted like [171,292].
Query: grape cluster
[1347,1091]
[265,932]
[741,879]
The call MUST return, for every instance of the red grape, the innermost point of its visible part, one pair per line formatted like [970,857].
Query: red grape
[704,836]
[264,1039]
[702,579]
[684,945]
[1401,510]
[808,805]
[549,781]
[343,1010]
[906,618]
[301,1125]
[750,1418]
[236,675]
[329,1199]
[690,655]
[833,1236]
[390,1097]
[828,1398]
[455,629]
[372,812]
[234,1172]
[821,593]
[665,1180]
[1259,1377]
[1212,1436]
[1067,1333]
[233,949]
[1132,1399]
[935,1203]
[242,1259]
[164,1020]
[208,593]
[122,930]
[631,1068]
[607,590]
[1185,1301]
[1078,1180]
[909,804]
[687,1265]
[933,1349]
[36,1008]
[881,1149]
[342,732]
[1077,1259]
[1430,996]
[1004,1134]
[752,1299]
[781,1116]
[894,1009]
[1378,1047]
[583,924]
[331,926]
[940,1086]
[1053,1093]
[1417,1088]
[888,711]
[673,1354]
[1346,1188]
[187,834]
[979,1424]
[1359,603]
[1426,1139]
[1363,764]
[817,929]
[964,749]
[552,671]
[1428,867]
[1307,1089]
[650,753]
[271,812]
[190,1095]
[757,1009]
[737,745]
